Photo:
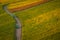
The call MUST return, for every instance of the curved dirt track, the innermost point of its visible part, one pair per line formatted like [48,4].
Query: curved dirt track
[18,24]
[28,6]
[18,31]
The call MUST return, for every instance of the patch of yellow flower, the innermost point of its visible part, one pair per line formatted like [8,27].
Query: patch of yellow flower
[48,29]
[43,17]
[19,4]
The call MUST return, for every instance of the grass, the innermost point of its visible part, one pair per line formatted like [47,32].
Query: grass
[48,26]
[7,32]
[55,36]
[35,28]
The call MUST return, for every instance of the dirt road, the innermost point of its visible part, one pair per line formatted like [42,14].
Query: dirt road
[18,24]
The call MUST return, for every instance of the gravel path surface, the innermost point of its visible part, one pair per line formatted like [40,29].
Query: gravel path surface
[18,24]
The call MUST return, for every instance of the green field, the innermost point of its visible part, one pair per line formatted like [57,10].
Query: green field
[41,22]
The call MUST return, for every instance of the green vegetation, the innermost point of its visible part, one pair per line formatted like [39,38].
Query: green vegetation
[33,29]
[3,2]
[55,36]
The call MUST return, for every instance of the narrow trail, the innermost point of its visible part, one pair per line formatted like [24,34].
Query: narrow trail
[18,23]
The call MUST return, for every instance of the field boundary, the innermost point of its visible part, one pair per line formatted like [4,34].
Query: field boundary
[28,6]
